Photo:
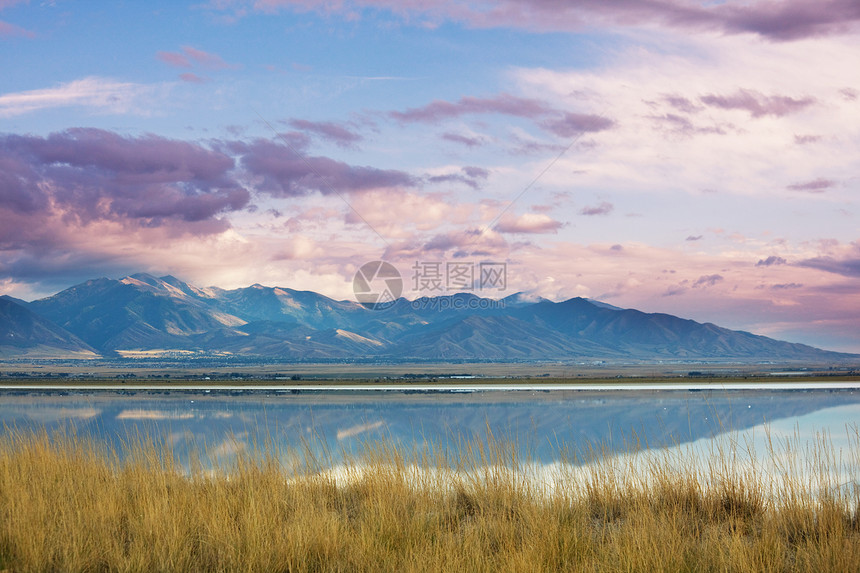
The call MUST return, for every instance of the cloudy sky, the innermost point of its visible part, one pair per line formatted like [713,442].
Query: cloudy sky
[700,158]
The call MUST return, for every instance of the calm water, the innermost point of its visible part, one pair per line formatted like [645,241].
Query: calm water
[544,424]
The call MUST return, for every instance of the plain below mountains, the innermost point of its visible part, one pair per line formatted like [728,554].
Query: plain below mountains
[142,315]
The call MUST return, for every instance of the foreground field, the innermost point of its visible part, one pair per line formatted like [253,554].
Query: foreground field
[67,504]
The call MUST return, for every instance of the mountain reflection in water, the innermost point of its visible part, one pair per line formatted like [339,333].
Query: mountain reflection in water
[543,425]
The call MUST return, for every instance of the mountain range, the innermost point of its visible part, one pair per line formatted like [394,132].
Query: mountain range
[142,313]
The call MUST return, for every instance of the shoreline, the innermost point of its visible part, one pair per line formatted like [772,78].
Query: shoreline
[442,388]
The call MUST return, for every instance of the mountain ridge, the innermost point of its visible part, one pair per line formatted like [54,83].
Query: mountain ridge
[141,312]
[24,333]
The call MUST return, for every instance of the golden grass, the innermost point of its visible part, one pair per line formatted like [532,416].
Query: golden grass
[70,504]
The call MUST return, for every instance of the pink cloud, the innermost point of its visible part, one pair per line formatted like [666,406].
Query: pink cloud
[205,59]
[402,215]
[757,104]
[192,78]
[529,223]
[679,124]
[174,59]
[470,243]
[189,57]
[8,30]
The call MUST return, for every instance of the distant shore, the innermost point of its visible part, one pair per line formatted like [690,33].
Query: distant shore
[441,387]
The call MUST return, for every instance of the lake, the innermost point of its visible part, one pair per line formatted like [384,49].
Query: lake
[547,424]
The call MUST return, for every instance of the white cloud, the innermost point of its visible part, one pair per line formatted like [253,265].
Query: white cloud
[101,94]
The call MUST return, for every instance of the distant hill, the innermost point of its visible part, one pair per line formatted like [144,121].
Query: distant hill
[142,312]
[23,333]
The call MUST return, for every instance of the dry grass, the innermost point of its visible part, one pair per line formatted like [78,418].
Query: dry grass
[69,504]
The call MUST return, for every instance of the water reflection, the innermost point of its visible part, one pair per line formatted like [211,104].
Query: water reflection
[541,424]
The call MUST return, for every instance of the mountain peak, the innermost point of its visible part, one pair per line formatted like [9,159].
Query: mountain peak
[167,284]
[143,277]
[172,280]
[522,298]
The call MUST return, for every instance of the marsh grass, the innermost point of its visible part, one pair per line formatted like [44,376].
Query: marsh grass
[69,503]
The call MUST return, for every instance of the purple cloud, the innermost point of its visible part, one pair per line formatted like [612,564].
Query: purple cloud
[844,267]
[471,176]
[757,104]
[337,134]
[786,286]
[804,139]
[707,280]
[849,94]
[463,139]
[476,172]
[675,290]
[529,147]
[694,238]
[20,191]
[819,185]
[571,124]
[791,19]
[778,21]
[604,208]
[681,103]
[285,174]
[770,261]
[557,122]
[81,176]
[504,104]
[97,173]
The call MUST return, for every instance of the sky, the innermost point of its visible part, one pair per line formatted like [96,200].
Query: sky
[700,158]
